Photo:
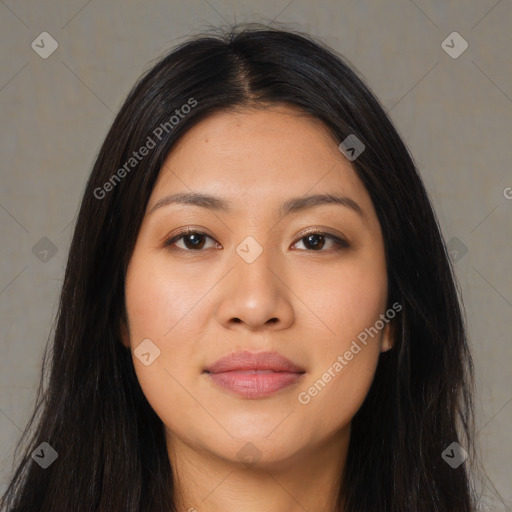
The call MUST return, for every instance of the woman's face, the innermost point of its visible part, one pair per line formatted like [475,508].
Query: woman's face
[251,279]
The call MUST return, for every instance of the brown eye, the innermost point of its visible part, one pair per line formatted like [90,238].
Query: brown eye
[192,240]
[316,241]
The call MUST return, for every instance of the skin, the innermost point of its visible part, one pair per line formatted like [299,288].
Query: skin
[201,304]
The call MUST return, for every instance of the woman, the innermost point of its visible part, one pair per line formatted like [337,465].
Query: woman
[258,310]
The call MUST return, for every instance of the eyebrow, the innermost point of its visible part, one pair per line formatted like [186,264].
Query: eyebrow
[292,205]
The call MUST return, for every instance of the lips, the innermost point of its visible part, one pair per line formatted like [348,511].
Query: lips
[254,375]
[254,361]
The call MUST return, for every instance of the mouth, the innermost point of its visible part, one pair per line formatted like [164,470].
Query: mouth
[254,375]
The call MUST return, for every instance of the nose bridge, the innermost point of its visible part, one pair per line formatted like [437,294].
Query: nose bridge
[253,265]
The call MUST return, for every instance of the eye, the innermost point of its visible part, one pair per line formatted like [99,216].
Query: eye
[316,240]
[193,240]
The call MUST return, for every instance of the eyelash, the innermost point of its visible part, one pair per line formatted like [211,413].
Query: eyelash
[339,242]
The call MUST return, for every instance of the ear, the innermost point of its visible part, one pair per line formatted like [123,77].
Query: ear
[388,336]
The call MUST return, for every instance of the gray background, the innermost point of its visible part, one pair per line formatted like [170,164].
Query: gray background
[455,114]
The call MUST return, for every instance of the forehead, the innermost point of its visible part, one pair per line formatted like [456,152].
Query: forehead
[259,155]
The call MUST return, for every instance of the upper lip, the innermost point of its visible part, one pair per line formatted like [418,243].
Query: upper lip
[245,360]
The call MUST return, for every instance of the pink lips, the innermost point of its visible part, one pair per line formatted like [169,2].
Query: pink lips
[254,375]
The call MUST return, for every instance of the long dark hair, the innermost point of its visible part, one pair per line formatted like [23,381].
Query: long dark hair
[90,408]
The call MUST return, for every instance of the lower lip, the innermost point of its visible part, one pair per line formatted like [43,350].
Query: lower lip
[255,385]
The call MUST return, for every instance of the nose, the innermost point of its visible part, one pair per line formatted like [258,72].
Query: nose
[256,295]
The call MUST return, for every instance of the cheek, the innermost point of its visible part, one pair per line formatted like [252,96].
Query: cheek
[334,396]
[349,299]
[162,306]
[349,303]
[158,298]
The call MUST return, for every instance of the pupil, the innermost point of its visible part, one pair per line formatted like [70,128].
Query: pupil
[315,244]
[194,240]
